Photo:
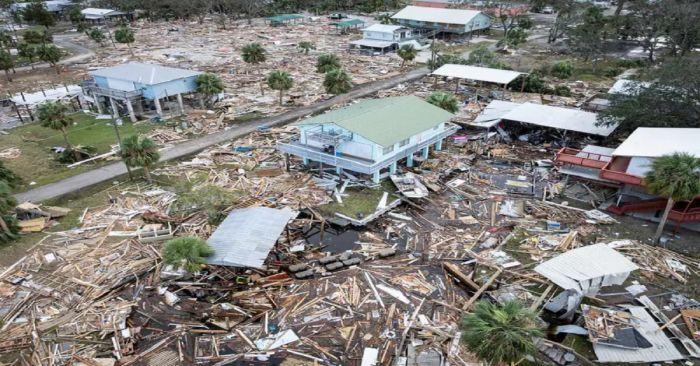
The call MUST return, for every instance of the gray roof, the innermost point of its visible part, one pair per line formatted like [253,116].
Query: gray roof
[247,235]
[148,74]
[662,348]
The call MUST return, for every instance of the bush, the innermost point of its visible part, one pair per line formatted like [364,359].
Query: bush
[562,90]
[628,64]
[611,72]
[70,156]
[210,199]
[533,83]
[563,69]
[188,252]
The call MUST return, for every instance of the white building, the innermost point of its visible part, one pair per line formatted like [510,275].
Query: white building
[384,37]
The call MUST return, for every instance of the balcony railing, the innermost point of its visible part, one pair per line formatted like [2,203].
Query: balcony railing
[581,158]
[328,137]
[612,171]
[92,88]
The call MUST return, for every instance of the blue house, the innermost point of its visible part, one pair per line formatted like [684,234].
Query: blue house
[372,136]
[134,85]
[458,21]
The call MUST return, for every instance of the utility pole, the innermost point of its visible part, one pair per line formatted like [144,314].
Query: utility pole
[116,123]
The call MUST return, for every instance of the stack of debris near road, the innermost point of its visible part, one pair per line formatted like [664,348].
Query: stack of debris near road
[476,221]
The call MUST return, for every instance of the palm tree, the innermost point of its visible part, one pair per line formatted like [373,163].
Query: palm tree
[337,81]
[407,53]
[53,115]
[327,62]
[500,334]
[255,54]
[306,46]
[125,35]
[208,85]
[444,100]
[675,177]
[140,151]
[280,80]
[6,63]
[188,252]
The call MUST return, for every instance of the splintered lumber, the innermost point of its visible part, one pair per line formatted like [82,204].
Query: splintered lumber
[374,290]
[453,269]
[689,345]
[481,290]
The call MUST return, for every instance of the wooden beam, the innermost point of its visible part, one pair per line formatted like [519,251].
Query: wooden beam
[480,291]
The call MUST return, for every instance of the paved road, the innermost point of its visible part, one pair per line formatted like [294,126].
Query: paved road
[65,41]
[112,171]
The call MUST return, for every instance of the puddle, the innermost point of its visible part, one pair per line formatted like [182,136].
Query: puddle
[335,239]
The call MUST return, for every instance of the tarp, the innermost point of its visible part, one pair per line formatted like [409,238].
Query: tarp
[587,269]
[486,74]
[247,235]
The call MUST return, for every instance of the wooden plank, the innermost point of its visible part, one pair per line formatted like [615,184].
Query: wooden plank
[689,345]
[454,270]
[480,291]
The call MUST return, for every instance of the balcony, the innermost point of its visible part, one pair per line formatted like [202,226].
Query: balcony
[683,211]
[333,138]
[616,170]
[582,158]
[93,89]
[356,164]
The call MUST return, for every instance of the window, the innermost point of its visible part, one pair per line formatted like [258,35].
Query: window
[403,143]
[388,149]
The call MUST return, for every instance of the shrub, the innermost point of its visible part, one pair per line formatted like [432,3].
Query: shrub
[188,252]
[563,69]
[613,71]
[562,90]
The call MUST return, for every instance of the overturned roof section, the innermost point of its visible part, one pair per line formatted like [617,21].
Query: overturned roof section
[486,74]
[559,118]
[385,121]
[247,235]
[662,348]
[587,269]
[383,28]
[656,142]
[148,74]
[493,113]
[95,13]
[436,15]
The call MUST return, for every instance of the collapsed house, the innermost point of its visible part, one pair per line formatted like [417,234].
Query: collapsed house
[136,85]
[626,166]
[475,73]
[372,136]
[514,118]
[454,21]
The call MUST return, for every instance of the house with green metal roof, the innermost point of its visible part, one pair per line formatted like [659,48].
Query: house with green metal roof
[372,136]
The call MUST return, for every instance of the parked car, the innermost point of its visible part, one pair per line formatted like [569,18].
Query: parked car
[601,4]
[548,10]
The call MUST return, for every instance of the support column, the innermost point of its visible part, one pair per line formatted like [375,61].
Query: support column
[375,177]
[392,168]
[306,161]
[339,170]
[424,152]
[179,102]
[115,110]
[130,108]
[409,161]
[159,109]
[99,105]
[438,145]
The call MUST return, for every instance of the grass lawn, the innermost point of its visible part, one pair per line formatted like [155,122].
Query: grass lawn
[361,201]
[37,163]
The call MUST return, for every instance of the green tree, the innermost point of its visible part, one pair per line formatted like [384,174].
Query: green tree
[54,115]
[6,63]
[444,100]
[208,85]
[254,54]
[337,81]
[500,334]
[6,39]
[671,100]
[587,38]
[675,177]
[124,34]
[281,81]
[37,36]
[385,19]
[97,35]
[8,223]
[188,252]
[481,56]
[306,46]
[51,54]
[36,12]
[140,151]
[327,62]
[530,83]
[28,51]
[407,53]
[563,69]
[8,176]
[76,16]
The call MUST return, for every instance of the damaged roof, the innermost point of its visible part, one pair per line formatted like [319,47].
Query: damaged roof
[385,121]
[656,142]
[247,235]
[486,74]
[436,15]
[587,269]
[149,74]
[560,118]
